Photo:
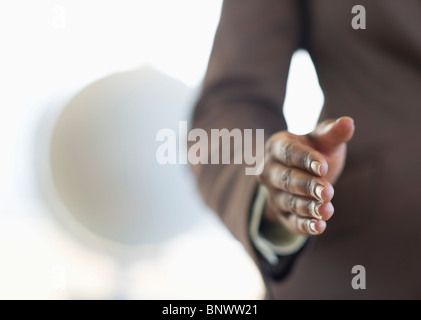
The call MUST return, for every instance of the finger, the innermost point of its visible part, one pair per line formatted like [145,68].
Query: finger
[299,182]
[295,154]
[303,206]
[330,134]
[301,225]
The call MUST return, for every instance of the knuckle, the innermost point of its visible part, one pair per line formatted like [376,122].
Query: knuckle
[312,188]
[275,139]
[285,178]
[287,152]
[269,146]
[313,208]
[309,187]
[300,223]
[292,203]
[306,226]
[306,161]
[310,207]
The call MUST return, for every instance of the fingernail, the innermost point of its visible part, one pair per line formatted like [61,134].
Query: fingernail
[316,167]
[312,226]
[315,210]
[318,191]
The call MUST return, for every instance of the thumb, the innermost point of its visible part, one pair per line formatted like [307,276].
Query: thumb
[331,134]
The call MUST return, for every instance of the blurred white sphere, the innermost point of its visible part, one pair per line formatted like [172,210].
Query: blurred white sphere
[102,160]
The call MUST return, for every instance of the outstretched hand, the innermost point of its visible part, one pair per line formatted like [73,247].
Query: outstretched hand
[299,174]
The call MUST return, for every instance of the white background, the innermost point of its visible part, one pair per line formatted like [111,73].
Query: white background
[49,47]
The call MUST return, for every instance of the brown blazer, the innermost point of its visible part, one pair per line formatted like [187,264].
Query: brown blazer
[372,75]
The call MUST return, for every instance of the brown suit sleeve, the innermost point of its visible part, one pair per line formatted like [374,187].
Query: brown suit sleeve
[244,88]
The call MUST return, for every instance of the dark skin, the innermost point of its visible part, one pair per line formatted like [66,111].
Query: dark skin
[299,173]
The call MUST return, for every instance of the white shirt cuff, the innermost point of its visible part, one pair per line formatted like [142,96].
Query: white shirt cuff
[276,240]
